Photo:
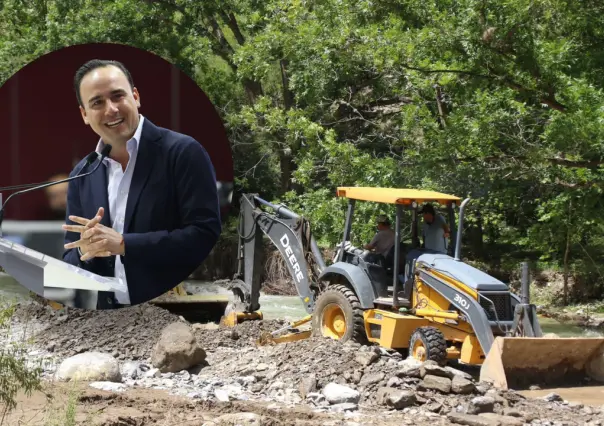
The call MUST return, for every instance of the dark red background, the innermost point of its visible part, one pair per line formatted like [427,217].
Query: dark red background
[42,132]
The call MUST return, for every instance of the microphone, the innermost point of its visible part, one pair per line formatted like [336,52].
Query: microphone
[89,160]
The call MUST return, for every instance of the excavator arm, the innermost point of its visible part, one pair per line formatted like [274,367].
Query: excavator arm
[291,234]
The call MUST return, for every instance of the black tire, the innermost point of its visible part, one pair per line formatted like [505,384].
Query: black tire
[348,302]
[433,342]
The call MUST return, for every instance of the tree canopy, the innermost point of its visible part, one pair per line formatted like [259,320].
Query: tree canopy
[499,101]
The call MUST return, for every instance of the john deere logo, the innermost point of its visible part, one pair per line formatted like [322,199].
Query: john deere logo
[292,259]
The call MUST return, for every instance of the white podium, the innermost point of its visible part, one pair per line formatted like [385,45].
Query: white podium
[44,275]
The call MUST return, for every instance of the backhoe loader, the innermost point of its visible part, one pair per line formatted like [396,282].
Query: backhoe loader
[429,305]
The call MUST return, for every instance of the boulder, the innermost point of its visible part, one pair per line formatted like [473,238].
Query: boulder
[366,358]
[456,372]
[131,369]
[433,369]
[410,367]
[177,349]
[461,385]
[441,384]
[90,367]
[395,398]
[481,404]
[371,379]
[339,394]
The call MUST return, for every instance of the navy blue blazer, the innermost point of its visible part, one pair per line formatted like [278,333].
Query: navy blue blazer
[172,215]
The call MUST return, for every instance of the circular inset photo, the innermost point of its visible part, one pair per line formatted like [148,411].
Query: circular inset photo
[115,177]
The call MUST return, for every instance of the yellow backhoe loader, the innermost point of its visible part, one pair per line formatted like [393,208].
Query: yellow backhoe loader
[428,304]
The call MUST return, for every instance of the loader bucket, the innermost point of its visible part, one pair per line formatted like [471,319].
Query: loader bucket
[519,362]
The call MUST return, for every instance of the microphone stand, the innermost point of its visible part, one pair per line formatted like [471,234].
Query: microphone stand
[90,159]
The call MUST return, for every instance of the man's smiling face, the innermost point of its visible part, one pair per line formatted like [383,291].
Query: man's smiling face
[110,105]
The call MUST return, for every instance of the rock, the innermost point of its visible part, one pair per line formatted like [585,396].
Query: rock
[90,367]
[343,407]
[496,395]
[130,369]
[153,372]
[315,397]
[307,385]
[482,388]
[471,420]
[395,398]
[371,379]
[257,387]
[456,372]
[428,368]
[461,385]
[366,358]
[481,404]
[194,395]
[552,397]
[240,419]
[338,394]
[512,412]
[357,376]
[394,382]
[222,395]
[441,384]
[410,367]
[503,420]
[108,386]
[434,406]
[261,367]
[177,349]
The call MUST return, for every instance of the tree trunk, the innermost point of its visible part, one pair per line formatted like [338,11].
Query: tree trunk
[442,109]
[567,253]
[286,163]
[288,96]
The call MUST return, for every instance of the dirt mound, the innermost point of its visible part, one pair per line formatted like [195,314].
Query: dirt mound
[127,333]
[212,336]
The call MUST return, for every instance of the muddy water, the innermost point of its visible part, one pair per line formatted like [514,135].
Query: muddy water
[588,395]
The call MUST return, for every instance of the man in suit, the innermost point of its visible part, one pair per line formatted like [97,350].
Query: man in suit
[150,214]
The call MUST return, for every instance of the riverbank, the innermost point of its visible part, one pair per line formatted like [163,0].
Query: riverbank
[589,317]
[315,381]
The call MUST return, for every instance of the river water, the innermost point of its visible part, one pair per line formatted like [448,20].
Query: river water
[289,308]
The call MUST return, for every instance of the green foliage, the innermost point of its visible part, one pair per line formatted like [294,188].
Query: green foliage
[15,373]
[499,101]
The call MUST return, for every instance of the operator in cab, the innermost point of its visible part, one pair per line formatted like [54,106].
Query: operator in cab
[435,230]
[383,240]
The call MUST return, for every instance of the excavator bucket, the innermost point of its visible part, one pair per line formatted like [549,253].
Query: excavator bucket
[233,318]
[519,362]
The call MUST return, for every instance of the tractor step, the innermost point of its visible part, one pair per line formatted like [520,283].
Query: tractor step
[388,301]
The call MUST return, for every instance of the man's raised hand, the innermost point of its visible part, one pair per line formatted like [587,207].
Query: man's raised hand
[89,245]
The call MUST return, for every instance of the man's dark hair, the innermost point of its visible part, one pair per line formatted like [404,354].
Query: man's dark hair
[428,208]
[92,65]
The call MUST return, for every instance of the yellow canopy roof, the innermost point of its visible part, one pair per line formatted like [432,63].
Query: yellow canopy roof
[394,195]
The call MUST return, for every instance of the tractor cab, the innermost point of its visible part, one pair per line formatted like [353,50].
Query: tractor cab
[400,260]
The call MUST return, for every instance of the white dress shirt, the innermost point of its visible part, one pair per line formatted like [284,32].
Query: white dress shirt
[118,186]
